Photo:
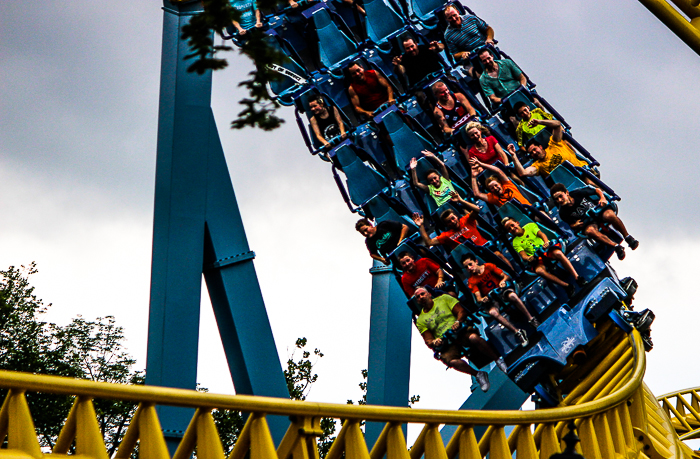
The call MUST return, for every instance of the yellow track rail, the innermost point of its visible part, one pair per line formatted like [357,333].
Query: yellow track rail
[684,414]
[687,28]
[615,413]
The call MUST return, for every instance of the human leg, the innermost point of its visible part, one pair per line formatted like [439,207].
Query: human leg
[520,306]
[452,358]
[592,231]
[540,270]
[505,260]
[493,312]
[558,255]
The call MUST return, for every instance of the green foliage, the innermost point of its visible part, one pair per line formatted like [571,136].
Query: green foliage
[259,109]
[299,374]
[82,349]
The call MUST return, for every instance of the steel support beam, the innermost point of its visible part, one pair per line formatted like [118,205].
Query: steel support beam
[389,362]
[197,229]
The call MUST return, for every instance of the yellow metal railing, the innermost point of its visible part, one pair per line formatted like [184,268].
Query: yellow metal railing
[615,414]
[687,29]
[684,413]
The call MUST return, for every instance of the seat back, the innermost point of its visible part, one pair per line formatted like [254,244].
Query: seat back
[334,46]
[381,22]
[407,143]
[424,10]
[562,175]
[363,182]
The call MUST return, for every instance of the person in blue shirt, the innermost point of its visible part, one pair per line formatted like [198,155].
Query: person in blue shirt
[250,15]
[465,33]
[500,77]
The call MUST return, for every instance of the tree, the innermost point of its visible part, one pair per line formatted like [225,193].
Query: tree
[82,349]
[216,16]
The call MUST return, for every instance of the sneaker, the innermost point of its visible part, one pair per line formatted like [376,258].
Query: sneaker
[620,251]
[534,322]
[632,242]
[501,364]
[581,281]
[483,379]
[522,337]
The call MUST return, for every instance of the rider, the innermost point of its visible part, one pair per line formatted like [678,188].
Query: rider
[486,278]
[527,239]
[441,314]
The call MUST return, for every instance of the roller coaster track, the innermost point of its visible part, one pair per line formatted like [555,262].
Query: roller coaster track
[684,415]
[615,413]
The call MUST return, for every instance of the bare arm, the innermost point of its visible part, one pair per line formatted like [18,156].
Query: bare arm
[339,120]
[441,278]
[258,18]
[523,79]
[501,175]
[385,84]
[489,35]
[379,258]
[465,102]
[557,128]
[519,169]
[404,232]
[469,205]
[442,122]
[475,188]
[317,131]
[397,65]
[418,219]
[414,176]
[355,101]
[501,154]
[443,169]
[428,338]
[544,237]
[601,197]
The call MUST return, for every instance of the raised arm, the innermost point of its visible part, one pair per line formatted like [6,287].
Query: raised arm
[469,205]
[530,171]
[414,176]
[398,66]
[443,169]
[436,46]
[404,233]
[464,101]
[557,128]
[496,170]
[427,240]
[475,187]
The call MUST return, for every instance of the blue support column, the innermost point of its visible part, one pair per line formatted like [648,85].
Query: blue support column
[197,228]
[389,363]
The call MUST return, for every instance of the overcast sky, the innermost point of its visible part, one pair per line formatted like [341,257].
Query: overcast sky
[78,117]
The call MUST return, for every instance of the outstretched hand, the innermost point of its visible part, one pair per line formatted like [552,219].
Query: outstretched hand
[429,154]
[418,219]
[413,163]
[511,149]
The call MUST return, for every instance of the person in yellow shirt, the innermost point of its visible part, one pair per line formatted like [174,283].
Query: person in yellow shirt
[523,132]
[545,159]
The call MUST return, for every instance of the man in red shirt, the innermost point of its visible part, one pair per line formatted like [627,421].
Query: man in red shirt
[368,90]
[487,277]
[458,230]
[419,273]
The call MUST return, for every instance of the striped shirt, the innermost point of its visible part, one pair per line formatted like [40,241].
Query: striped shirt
[468,37]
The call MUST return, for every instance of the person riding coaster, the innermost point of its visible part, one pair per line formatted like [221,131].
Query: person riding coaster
[443,313]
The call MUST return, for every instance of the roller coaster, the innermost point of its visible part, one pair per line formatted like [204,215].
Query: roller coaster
[585,358]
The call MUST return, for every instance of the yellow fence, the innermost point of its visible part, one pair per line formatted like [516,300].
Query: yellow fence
[683,408]
[615,414]
[685,24]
